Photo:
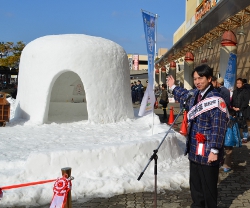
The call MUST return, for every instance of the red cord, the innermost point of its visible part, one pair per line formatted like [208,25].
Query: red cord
[26,184]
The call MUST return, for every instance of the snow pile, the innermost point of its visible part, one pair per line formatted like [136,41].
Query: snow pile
[106,159]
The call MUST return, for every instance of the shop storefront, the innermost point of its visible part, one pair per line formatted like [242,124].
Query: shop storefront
[219,29]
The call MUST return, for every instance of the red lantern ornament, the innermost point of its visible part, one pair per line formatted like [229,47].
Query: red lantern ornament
[163,69]
[157,66]
[189,57]
[172,64]
[228,39]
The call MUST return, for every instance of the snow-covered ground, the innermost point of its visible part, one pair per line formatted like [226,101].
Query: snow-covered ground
[106,159]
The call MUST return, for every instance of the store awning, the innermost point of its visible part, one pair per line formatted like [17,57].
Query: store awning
[226,15]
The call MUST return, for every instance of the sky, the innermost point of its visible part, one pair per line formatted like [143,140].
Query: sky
[116,20]
[106,159]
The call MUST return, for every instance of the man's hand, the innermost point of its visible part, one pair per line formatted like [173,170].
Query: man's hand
[170,81]
[236,109]
[212,157]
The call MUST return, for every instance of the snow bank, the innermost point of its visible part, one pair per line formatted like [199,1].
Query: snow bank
[105,159]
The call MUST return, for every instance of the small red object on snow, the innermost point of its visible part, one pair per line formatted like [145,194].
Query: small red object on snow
[61,189]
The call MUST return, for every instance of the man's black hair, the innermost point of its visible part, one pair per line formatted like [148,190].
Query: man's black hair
[203,70]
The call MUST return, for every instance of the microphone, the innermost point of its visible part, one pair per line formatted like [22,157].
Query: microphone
[190,94]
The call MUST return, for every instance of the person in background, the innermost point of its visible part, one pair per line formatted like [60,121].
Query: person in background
[232,139]
[225,93]
[214,81]
[239,103]
[164,101]
[157,92]
[136,94]
[14,93]
[140,90]
[246,85]
[133,93]
[205,139]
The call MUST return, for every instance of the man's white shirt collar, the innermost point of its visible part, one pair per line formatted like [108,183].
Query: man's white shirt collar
[204,91]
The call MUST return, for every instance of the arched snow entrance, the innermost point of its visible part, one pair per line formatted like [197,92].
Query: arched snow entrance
[68,99]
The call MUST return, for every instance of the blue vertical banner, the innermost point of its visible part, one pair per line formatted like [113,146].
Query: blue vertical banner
[148,101]
[230,76]
[149,29]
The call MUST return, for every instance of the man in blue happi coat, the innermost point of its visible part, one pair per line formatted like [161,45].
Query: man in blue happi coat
[207,119]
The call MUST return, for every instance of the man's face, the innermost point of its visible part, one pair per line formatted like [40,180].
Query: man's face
[201,83]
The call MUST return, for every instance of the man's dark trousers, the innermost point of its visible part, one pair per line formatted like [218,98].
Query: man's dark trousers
[203,179]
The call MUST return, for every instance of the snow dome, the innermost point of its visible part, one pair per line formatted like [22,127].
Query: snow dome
[73,77]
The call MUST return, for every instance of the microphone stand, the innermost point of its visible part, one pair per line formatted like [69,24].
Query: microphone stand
[155,157]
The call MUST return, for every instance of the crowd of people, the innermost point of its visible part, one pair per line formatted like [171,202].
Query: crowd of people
[238,103]
[239,110]
[137,92]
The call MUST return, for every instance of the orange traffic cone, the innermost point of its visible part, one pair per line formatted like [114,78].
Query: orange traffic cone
[156,104]
[184,125]
[171,116]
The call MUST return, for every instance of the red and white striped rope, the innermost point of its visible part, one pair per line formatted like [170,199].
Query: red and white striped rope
[26,184]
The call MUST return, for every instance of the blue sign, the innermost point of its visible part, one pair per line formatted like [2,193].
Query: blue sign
[230,75]
[149,29]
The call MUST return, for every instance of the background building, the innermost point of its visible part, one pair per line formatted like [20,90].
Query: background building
[211,31]
[138,66]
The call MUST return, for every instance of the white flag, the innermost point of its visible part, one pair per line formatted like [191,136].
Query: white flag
[148,101]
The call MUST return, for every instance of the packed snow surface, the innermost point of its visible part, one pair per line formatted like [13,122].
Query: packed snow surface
[106,159]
